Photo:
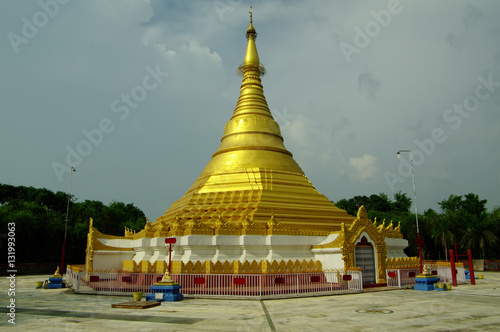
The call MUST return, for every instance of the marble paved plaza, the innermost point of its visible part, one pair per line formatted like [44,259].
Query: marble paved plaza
[465,308]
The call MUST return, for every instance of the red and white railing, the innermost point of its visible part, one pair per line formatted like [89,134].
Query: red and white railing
[401,278]
[245,285]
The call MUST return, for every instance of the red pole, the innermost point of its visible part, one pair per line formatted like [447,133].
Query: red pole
[420,252]
[170,241]
[169,257]
[453,271]
[471,268]
[62,258]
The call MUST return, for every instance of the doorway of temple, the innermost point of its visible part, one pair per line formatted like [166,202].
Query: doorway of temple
[365,259]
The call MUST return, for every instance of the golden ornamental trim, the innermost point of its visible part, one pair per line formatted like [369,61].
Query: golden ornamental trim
[348,236]
[188,223]
[248,226]
[337,243]
[224,227]
[246,267]
[274,226]
[402,263]
[392,232]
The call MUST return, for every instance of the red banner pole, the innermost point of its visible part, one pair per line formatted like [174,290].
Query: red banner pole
[453,270]
[471,268]
[170,241]
[62,258]
[420,252]
[169,258]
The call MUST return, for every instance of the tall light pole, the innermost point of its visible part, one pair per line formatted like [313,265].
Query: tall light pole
[419,241]
[67,213]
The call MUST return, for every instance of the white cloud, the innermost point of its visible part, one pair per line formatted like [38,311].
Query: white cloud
[301,131]
[364,167]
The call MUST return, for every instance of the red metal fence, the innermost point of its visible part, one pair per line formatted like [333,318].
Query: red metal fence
[401,278]
[492,265]
[245,285]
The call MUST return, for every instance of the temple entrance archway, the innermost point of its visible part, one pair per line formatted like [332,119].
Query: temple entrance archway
[365,259]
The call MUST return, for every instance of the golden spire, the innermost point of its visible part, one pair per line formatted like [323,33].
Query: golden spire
[252,175]
[252,132]
[251,30]
[251,55]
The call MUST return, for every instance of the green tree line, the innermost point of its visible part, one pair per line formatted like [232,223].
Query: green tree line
[39,216]
[463,220]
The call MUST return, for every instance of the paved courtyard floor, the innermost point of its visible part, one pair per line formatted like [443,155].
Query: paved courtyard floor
[465,308]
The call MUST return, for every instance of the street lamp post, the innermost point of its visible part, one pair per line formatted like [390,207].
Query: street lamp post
[67,214]
[419,241]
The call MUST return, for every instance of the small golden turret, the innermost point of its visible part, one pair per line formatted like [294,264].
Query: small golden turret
[57,274]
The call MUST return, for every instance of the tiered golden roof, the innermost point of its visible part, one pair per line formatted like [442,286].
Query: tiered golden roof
[252,177]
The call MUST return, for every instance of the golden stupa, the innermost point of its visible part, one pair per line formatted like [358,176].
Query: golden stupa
[252,178]
[252,210]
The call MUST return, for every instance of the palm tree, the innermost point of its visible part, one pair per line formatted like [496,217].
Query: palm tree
[479,235]
[440,230]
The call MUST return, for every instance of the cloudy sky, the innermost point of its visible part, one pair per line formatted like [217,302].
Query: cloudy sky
[135,94]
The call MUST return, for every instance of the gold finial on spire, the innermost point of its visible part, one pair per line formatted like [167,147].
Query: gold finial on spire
[251,30]
[251,56]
